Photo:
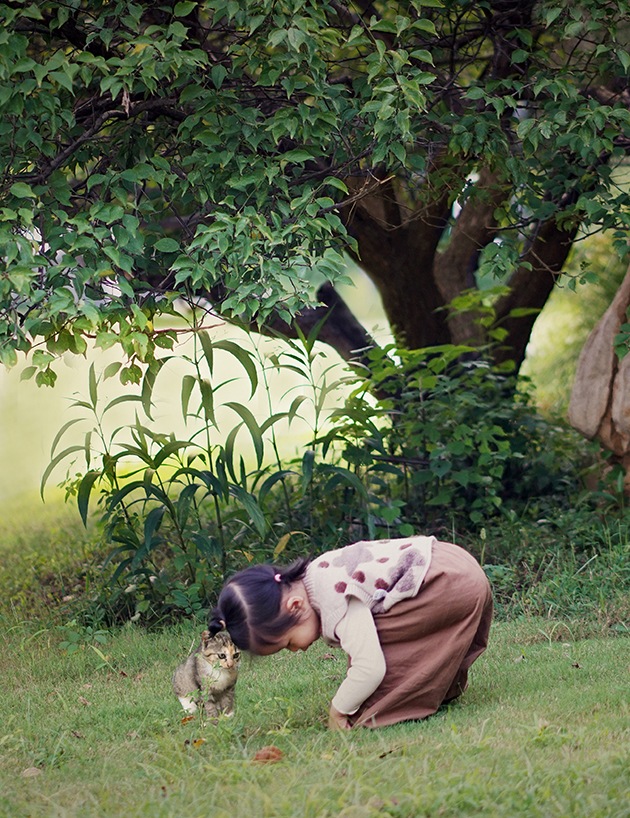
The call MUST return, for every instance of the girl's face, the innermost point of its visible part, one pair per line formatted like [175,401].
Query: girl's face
[300,636]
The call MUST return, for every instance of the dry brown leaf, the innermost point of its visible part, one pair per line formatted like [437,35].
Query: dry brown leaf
[83,700]
[186,719]
[268,755]
[30,772]
[196,743]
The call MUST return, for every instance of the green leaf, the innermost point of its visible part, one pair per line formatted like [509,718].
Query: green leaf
[54,463]
[111,370]
[208,350]
[244,358]
[148,384]
[184,7]
[251,506]
[121,399]
[167,246]
[252,425]
[84,492]
[92,386]
[151,526]
[168,450]
[308,464]
[188,384]
[22,191]
[61,433]
[207,401]
[270,482]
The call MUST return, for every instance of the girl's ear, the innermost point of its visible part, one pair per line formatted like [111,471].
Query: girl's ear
[294,604]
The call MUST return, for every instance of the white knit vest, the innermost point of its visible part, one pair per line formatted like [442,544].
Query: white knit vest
[378,572]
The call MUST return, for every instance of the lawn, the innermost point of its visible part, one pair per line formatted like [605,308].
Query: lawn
[543,730]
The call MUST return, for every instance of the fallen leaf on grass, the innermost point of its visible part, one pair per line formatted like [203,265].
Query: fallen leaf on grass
[186,719]
[329,656]
[30,772]
[196,743]
[268,755]
[76,734]
[84,701]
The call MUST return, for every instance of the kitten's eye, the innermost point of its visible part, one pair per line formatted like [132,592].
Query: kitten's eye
[221,655]
[237,655]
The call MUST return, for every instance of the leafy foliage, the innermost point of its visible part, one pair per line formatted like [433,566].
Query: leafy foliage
[183,513]
[180,513]
[232,152]
[449,442]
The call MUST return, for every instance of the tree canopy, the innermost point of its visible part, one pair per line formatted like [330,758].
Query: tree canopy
[234,152]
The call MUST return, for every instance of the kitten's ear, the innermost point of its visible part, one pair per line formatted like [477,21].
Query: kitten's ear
[205,637]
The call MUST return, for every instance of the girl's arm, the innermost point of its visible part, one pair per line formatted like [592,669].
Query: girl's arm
[358,636]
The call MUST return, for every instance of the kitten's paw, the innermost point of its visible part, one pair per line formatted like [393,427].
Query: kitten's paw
[188,704]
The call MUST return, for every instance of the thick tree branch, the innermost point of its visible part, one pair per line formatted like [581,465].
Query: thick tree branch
[338,327]
[530,288]
[474,228]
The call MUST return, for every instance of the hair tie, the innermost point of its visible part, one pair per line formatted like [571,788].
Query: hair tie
[277,577]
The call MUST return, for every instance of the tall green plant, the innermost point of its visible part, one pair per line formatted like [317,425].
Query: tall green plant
[183,512]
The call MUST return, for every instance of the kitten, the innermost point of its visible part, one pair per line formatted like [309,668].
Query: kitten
[209,676]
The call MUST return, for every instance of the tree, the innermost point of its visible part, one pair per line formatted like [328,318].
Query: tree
[231,153]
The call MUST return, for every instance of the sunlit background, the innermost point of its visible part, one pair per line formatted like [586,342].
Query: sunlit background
[31,416]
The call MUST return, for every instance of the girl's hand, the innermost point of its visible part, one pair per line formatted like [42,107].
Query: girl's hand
[337,720]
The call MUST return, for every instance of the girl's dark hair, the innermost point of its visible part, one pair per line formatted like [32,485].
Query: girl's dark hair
[249,606]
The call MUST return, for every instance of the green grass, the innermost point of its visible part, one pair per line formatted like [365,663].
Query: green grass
[46,557]
[543,730]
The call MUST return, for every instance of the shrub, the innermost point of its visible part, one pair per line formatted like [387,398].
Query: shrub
[449,441]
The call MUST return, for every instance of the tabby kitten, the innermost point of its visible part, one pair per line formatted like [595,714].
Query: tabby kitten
[209,676]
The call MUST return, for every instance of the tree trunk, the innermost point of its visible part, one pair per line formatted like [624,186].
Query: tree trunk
[600,400]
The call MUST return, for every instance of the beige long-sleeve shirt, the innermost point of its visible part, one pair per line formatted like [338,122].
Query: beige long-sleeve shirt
[358,637]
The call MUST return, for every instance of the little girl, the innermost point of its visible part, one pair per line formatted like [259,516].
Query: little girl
[412,614]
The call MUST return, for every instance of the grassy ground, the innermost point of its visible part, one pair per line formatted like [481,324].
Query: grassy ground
[543,730]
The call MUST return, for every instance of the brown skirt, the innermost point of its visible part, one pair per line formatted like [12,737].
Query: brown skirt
[430,640]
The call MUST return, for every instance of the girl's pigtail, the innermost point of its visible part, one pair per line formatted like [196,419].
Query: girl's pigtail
[293,572]
[216,623]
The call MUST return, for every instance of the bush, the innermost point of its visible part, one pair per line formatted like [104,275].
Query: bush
[451,442]
[448,445]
